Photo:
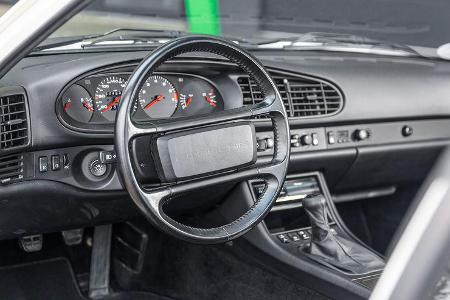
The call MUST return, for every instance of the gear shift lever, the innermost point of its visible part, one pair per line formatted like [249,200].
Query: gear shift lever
[316,210]
[333,249]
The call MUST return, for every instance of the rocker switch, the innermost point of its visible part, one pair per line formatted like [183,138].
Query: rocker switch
[43,164]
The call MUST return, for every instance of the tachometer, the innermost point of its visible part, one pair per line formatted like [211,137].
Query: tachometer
[158,98]
[108,95]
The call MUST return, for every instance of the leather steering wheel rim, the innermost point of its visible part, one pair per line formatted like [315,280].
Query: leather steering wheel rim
[152,201]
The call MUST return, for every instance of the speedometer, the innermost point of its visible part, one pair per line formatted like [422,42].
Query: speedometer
[108,95]
[158,98]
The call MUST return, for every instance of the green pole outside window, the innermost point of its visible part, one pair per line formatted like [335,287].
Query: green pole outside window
[203,16]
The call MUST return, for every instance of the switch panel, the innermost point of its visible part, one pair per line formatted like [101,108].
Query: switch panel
[309,139]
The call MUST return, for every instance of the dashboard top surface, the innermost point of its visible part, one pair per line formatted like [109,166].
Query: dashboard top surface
[375,88]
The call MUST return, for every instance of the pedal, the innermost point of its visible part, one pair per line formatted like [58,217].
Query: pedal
[73,237]
[129,246]
[100,263]
[31,243]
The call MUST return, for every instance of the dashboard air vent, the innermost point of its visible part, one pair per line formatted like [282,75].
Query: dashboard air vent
[11,168]
[13,122]
[302,96]
[252,93]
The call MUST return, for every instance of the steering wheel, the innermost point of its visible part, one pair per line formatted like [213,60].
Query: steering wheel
[224,145]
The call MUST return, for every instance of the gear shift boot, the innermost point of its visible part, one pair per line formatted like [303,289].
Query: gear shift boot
[332,248]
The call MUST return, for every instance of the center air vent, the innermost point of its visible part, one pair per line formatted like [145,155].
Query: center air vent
[302,96]
[252,93]
[14,131]
[11,168]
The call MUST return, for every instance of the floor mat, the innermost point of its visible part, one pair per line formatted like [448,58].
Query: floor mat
[51,280]
[44,280]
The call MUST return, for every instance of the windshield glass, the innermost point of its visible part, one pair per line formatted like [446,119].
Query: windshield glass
[403,22]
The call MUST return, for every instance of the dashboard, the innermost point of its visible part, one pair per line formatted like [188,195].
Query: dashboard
[367,124]
[358,119]
[94,99]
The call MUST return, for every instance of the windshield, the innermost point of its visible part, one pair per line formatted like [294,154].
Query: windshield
[423,23]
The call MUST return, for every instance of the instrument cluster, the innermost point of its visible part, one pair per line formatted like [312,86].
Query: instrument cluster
[96,98]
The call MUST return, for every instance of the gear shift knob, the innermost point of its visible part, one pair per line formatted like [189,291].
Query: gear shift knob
[316,209]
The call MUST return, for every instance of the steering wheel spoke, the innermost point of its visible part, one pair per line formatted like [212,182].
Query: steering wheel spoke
[135,130]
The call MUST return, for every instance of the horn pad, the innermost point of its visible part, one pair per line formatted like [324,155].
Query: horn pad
[205,151]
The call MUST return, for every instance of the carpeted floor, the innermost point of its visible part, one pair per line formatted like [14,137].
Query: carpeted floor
[51,280]
[184,271]
[44,280]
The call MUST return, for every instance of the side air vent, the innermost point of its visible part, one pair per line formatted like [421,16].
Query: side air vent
[302,96]
[11,168]
[14,131]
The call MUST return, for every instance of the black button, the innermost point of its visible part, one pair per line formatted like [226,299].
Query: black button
[361,134]
[331,138]
[56,162]
[294,236]
[259,189]
[306,140]
[407,131]
[315,139]
[295,140]
[107,157]
[283,238]
[261,145]
[303,234]
[43,164]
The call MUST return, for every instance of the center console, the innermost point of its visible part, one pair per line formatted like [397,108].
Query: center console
[304,231]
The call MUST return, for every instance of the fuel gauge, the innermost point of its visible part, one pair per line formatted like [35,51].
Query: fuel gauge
[77,103]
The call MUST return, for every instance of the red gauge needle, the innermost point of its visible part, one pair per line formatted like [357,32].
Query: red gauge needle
[111,104]
[67,106]
[87,106]
[154,101]
[210,101]
[188,101]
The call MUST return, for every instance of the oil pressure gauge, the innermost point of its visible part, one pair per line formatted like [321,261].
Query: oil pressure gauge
[78,104]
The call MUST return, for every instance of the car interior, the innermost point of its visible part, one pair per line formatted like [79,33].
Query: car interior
[163,164]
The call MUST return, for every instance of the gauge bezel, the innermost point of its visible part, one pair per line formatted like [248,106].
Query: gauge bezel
[124,70]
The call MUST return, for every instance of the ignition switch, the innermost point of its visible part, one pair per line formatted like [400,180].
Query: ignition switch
[97,168]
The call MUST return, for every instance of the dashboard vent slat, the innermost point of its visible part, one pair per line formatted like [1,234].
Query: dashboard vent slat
[13,122]
[11,168]
[302,96]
